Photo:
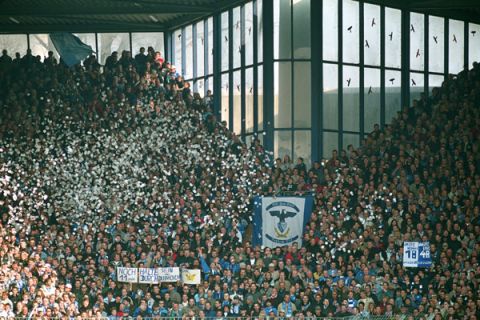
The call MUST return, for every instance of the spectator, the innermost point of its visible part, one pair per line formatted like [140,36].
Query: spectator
[141,61]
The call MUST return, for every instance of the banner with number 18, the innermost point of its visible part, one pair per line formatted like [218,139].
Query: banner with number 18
[416,254]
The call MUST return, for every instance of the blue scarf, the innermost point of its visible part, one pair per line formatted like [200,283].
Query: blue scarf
[287,308]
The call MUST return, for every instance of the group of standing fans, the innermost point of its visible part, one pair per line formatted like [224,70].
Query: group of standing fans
[123,165]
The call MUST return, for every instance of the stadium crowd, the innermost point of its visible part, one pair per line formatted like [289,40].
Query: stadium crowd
[122,165]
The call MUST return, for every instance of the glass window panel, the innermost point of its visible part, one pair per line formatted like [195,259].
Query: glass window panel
[301,29]
[351,139]
[177,35]
[109,42]
[147,39]
[237,37]
[417,41]
[371,25]
[41,45]
[330,30]
[249,100]
[225,40]
[207,87]
[248,29]
[283,144]
[210,84]
[303,146]
[456,47]
[392,94]
[417,86]
[260,30]
[14,43]
[260,97]
[250,138]
[330,143]
[282,24]
[302,95]
[473,43]
[190,83]
[283,94]
[260,137]
[188,52]
[351,98]
[237,103]
[393,38]
[210,45]
[330,96]
[200,86]
[436,44]
[434,81]
[351,32]
[200,39]
[88,39]
[372,98]
[225,99]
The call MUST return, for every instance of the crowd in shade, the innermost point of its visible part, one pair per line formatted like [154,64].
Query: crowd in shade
[122,165]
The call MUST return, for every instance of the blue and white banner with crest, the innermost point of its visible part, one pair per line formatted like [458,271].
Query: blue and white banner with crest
[280,221]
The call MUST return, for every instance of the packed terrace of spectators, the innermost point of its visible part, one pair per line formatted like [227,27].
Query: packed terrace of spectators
[123,165]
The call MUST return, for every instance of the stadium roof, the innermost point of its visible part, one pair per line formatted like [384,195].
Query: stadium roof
[37,16]
[103,15]
[458,9]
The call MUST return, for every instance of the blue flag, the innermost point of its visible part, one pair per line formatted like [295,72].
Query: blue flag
[280,221]
[71,49]
[205,267]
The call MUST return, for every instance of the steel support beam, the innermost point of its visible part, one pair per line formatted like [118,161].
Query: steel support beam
[82,27]
[217,65]
[268,84]
[317,83]
[96,9]
[405,89]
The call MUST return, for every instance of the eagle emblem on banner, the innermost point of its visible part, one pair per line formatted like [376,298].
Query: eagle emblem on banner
[282,229]
[282,211]
[280,221]
[190,276]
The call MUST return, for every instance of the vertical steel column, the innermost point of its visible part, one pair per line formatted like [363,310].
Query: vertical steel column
[173,50]
[426,55]
[194,57]
[167,45]
[130,44]
[242,72]
[184,51]
[405,89]
[382,66]
[217,64]
[446,47]
[316,12]
[268,84]
[206,54]
[255,66]
[362,70]
[466,45]
[340,76]
[292,82]
[230,67]
[96,46]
